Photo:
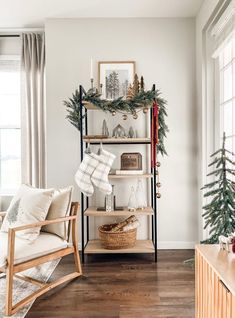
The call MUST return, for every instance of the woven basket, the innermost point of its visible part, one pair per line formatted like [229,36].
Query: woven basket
[116,240]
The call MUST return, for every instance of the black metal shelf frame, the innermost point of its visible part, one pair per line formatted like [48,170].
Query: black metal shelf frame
[85,200]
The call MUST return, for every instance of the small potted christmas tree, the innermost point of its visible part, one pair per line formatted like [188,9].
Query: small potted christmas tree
[219,213]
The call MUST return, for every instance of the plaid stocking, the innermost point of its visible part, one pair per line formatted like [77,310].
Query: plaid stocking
[85,170]
[100,174]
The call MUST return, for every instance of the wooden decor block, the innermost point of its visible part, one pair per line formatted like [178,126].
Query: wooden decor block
[96,137]
[131,161]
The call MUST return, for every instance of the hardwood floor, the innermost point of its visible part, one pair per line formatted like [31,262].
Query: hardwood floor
[123,286]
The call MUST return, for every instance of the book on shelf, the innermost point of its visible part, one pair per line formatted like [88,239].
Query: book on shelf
[126,172]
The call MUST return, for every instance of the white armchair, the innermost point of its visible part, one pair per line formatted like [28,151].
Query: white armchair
[16,255]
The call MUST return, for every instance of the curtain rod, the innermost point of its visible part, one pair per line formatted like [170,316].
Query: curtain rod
[9,35]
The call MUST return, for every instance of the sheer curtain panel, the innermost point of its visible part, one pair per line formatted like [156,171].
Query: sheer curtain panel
[33,109]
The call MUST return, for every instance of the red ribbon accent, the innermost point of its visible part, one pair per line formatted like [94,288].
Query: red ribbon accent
[154,134]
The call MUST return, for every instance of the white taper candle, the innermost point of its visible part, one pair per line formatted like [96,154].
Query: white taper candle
[91,68]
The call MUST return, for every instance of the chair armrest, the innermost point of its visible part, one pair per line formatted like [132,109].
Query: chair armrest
[42,223]
[12,233]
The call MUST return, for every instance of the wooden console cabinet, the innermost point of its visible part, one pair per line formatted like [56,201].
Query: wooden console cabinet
[215,282]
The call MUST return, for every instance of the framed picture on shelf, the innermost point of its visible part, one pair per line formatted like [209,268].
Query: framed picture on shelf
[115,77]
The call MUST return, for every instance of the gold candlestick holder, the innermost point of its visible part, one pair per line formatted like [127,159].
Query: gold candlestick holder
[92,84]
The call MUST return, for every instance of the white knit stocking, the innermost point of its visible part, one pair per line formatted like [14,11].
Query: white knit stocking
[85,170]
[100,175]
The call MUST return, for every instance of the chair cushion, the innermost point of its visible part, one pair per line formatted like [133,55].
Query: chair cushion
[26,250]
[60,207]
[29,205]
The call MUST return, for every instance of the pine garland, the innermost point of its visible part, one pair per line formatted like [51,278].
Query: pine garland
[220,212]
[139,101]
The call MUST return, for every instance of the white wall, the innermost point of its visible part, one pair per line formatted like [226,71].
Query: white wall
[164,51]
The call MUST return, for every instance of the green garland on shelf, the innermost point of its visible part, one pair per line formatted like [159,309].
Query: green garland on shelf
[142,100]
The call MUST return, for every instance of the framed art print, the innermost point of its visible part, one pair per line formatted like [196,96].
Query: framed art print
[115,78]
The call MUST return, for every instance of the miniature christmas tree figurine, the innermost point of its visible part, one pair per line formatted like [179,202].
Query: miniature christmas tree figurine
[105,131]
[136,85]
[142,84]
[220,211]
[129,94]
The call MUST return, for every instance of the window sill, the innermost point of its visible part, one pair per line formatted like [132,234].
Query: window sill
[7,193]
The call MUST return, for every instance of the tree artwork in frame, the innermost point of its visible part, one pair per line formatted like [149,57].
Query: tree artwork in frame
[115,78]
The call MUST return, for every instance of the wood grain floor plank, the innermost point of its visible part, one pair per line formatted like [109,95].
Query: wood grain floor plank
[123,286]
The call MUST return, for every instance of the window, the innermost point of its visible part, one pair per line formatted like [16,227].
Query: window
[227,93]
[10,132]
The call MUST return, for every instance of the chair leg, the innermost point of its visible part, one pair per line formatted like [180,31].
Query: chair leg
[75,246]
[9,291]
[77,260]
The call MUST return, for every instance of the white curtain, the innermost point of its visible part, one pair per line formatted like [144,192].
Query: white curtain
[33,109]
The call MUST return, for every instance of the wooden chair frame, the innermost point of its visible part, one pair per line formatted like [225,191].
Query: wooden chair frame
[13,269]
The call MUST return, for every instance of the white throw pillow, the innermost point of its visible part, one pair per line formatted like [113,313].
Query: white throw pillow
[60,207]
[29,205]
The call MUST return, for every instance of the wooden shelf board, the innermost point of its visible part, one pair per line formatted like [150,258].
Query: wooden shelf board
[90,106]
[121,176]
[91,211]
[142,246]
[117,140]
